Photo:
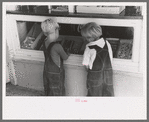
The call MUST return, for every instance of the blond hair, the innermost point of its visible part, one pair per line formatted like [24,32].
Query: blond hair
[48,26]
[92,29]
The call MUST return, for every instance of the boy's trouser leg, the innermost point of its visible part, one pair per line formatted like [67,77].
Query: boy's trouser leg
[102,90]
[45,84]
[56,84]
[108,90]
[95,91]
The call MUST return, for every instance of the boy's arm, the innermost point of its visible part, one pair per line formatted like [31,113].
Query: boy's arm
[86,56]
[61,52]
[110,51]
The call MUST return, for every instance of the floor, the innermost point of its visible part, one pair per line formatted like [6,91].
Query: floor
[12,90]
[124,86]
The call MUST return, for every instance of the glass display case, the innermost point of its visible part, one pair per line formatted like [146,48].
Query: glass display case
[120,38]
[124,35]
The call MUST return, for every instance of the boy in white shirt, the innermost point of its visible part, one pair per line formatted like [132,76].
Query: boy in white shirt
[97,58]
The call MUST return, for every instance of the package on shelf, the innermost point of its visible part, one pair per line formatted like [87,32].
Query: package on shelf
[100,9]
[59,9]
[125,49]
[27,43]
[41,9]
[32,37]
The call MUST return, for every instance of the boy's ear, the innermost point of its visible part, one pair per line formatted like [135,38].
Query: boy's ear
[80,27]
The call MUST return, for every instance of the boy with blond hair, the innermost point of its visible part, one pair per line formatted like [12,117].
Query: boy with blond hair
[97,59]
[53,74]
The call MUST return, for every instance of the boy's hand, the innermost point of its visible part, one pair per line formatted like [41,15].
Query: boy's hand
[68,52]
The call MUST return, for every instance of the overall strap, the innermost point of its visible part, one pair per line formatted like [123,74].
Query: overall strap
[47,50]
[105,46]
[97,48]
[44,49]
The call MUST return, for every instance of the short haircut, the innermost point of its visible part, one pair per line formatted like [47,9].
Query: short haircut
[91,29]
[48,26]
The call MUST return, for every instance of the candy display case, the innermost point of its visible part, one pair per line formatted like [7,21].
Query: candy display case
[120,38]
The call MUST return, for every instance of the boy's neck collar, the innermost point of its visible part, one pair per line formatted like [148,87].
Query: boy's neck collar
[100,42]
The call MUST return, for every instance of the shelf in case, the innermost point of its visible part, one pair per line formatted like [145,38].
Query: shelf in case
[81,15]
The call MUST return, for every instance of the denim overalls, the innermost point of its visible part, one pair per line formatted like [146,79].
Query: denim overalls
[53,76]
[100,77]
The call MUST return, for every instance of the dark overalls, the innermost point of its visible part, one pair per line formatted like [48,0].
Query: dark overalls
[53,76]
[100,77]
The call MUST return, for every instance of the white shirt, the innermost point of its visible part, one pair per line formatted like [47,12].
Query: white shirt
[90,54]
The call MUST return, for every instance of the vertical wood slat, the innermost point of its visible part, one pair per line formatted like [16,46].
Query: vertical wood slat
[137,41]
[11,52]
